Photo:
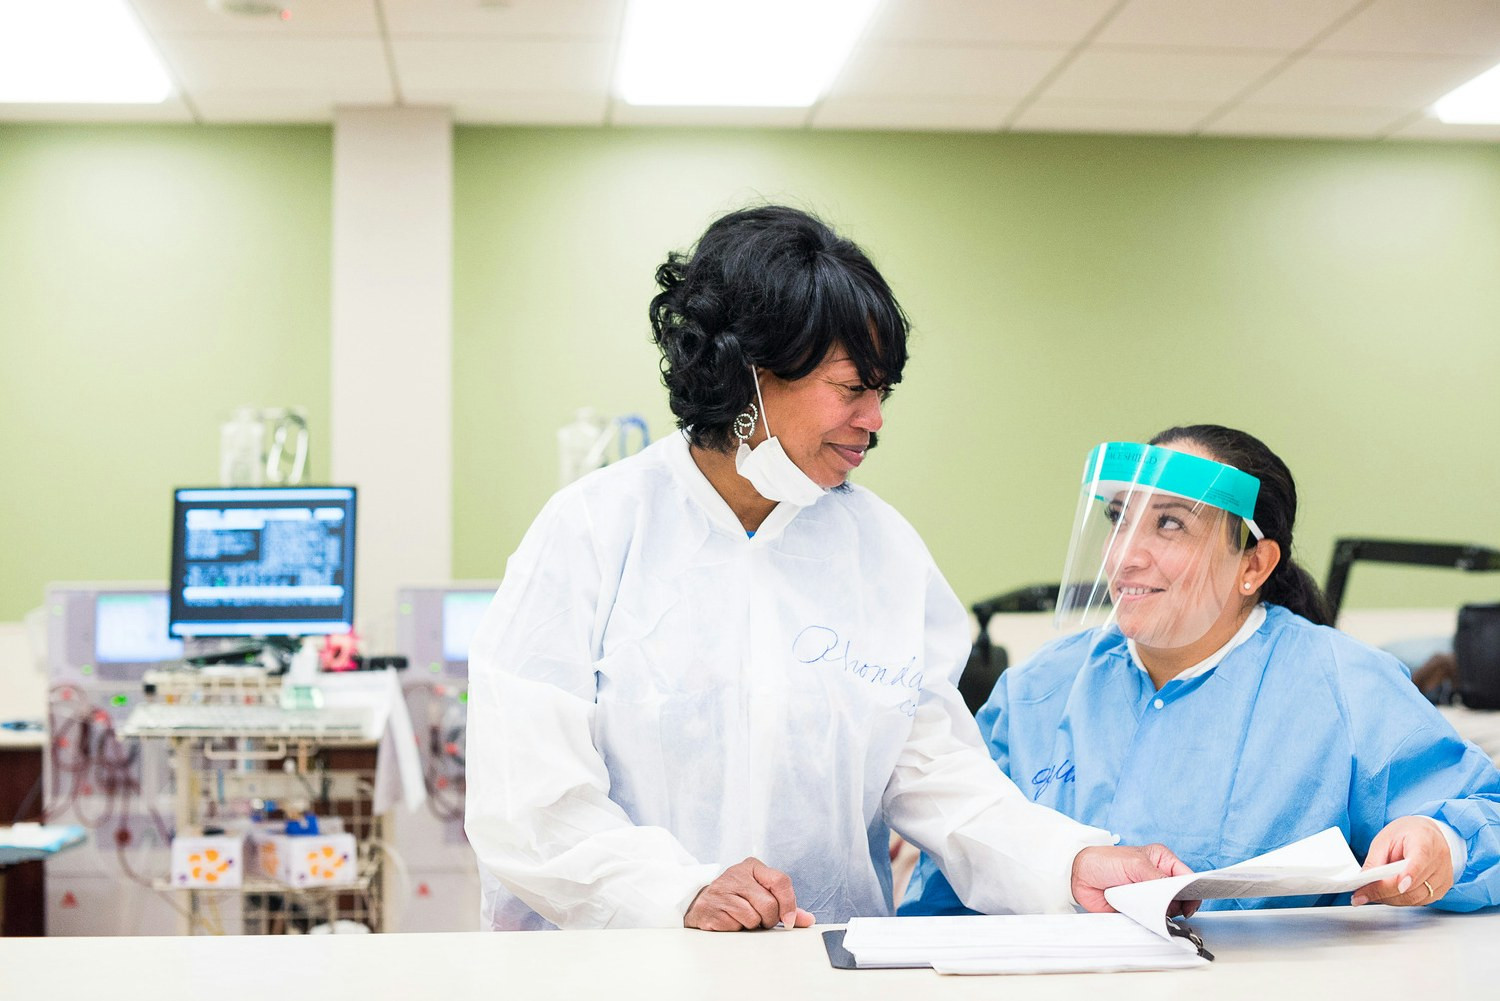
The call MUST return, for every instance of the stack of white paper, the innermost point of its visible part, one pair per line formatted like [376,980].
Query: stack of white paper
[1313,866]
[1016,943]
[1137,938]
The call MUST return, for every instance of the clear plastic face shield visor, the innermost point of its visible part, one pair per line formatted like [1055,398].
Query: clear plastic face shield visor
[1157,544]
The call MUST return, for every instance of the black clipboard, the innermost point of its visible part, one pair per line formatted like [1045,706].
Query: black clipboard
[842,959]
[838,957]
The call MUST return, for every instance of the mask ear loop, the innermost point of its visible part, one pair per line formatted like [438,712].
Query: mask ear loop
[763,418]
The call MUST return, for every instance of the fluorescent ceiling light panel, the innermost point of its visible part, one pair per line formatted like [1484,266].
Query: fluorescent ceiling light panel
[736,53]
[77,52]
[1474,103]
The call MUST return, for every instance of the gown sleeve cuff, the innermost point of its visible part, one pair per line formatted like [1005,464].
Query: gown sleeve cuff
[1092,837]
[1458,851]
[670,906]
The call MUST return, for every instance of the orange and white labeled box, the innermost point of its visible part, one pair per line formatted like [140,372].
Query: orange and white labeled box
[208,862]
[305,860]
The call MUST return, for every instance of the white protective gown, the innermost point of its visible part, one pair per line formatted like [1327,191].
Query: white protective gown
[654,697]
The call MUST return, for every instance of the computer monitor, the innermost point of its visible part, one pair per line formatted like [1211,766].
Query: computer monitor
[435,624]
[262,561]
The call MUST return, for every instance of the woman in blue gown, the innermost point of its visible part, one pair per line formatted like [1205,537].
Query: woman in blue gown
[1270,727]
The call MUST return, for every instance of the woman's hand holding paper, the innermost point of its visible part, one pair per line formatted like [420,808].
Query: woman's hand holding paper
[1429,870]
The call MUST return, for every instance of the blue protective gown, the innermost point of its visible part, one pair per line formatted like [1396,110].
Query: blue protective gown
[1298,729]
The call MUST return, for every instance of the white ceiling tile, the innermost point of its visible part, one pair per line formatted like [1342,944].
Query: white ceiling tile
[1366,81]
[1431,128]
[1432,27]
[1103,116]
[561,18]
[1157,76]
[283,108]
[170,110]
[1223,24]
[343,69]
[909,115]
[629,114]
[1342,123]
[1050,22]
[1149,65]
[307,17]
[523,109]
[925,71]
[428,68]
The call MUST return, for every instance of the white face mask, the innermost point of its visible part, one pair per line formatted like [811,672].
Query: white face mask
[769,469]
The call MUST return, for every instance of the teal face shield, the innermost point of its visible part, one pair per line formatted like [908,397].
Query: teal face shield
[1158,543]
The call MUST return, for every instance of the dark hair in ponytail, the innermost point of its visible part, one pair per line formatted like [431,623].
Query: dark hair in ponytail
[1289,585]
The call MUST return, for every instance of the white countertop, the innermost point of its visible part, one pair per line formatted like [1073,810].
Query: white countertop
[20,740]
[1366,953]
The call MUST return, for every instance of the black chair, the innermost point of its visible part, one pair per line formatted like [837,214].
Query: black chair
[987,660]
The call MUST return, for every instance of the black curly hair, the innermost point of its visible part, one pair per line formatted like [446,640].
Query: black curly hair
[776,288]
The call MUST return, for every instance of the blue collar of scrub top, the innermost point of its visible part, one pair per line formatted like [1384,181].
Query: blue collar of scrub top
[1248,628]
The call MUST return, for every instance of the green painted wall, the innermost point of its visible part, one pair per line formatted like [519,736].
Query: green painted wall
[1340,300]
[151,279]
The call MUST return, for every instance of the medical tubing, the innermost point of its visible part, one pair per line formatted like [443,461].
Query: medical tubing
[438,784]
[27,801]
[162,830]
[165,896]
[396,909]
[67,733]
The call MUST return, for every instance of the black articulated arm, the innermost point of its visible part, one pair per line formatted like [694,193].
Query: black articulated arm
[1346,552]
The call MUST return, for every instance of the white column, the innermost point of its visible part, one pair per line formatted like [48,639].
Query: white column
[392,349]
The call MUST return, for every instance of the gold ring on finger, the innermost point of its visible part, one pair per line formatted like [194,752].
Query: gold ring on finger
[1429,889]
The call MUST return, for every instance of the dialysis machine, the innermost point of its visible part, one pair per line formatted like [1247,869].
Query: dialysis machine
[434,625]
[265,567]
[102,639]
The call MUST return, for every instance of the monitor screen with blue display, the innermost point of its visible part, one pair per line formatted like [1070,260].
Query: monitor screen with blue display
[130,627]
[462,612]
[262,561]
[436,623]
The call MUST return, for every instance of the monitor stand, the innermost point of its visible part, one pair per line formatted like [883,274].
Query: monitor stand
[274,653]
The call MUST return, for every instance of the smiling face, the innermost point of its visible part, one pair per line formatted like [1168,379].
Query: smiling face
[1172,567]
[825,421]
